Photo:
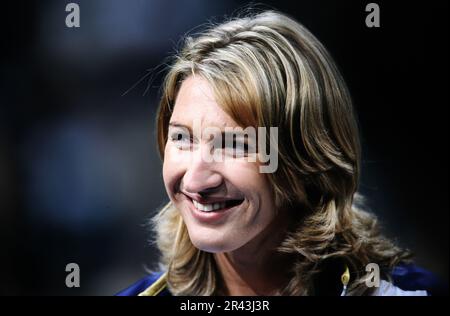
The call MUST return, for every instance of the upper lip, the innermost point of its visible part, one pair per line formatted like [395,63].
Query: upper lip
[210,200]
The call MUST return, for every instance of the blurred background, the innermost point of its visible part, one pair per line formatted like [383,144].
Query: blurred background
[79,172]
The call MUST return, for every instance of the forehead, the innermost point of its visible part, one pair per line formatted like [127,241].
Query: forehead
[196,101]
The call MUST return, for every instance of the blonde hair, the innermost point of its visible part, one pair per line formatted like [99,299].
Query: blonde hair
[266,69]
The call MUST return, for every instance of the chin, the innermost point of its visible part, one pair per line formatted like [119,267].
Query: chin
[213,245]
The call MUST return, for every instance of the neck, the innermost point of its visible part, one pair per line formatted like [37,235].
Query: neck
[257,268]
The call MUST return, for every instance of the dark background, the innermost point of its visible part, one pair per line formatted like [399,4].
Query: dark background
[79,170]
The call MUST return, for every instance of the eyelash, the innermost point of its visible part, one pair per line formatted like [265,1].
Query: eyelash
[178,137]
[235,145]
[181,140]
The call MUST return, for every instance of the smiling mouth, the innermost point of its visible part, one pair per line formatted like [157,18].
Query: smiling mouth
[216,206]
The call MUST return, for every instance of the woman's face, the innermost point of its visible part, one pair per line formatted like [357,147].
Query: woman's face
[225,203]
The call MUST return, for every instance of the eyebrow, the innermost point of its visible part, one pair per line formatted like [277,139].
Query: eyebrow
[176,124]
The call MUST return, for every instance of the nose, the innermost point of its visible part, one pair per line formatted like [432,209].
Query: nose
[201,177]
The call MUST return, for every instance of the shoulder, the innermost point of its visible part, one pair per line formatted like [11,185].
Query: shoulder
[411,280]
[154,284]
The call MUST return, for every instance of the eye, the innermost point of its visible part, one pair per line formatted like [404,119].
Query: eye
[182,140]
[235,147]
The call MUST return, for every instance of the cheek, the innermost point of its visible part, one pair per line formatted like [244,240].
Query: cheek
[252,183]
[173,168]
[246,175]
[167,176]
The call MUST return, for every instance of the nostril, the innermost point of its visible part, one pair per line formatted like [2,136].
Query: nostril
[208,191]
[202,182]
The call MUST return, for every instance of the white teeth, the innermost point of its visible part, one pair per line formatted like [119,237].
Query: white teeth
[208,207]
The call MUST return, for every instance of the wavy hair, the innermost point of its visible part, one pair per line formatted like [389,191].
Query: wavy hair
[266,69]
